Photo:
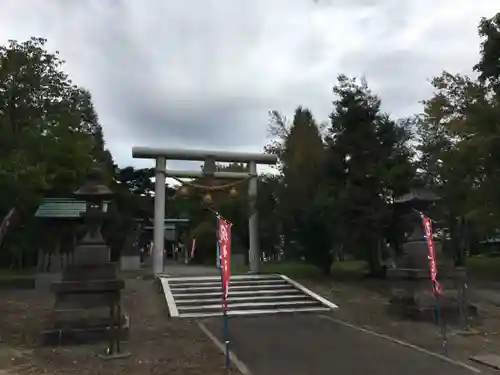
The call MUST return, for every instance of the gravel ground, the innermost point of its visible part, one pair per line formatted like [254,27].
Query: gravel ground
[158,345]
[364,303]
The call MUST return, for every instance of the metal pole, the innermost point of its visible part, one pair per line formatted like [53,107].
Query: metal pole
[225,322]
[253,223]
[159,217]
[217,261]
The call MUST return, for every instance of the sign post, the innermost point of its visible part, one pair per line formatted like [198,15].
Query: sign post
[224,250]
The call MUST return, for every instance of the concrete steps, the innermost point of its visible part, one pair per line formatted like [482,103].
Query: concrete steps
[197,297]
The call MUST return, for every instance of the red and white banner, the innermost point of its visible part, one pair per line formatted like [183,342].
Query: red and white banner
[224,228]
[432,256]
[193,247]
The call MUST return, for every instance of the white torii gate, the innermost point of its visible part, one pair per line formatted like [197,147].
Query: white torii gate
[162,155]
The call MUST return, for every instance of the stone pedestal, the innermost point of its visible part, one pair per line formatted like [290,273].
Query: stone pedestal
[44,280]
[87,306]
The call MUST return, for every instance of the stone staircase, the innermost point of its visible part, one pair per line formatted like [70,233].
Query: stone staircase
[197,297]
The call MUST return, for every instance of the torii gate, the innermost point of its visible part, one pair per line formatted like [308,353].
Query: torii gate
[162,155]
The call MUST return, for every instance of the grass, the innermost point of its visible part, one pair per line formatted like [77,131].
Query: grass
[484,267]
[292,269]
[16,274]
[26,274]
[348,269]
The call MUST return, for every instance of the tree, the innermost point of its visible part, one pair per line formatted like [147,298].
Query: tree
[367,158]
[49,132]
[484,124]
[489,63]
[300,149]
[269,188]
[460,141]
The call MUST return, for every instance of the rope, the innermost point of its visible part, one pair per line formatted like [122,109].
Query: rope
[211,188]
[216,213]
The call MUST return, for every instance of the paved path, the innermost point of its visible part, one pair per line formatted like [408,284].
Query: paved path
[309,344]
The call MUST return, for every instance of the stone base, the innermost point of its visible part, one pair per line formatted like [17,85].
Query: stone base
[130,262]
[83,332]
[43,281]
[424,309]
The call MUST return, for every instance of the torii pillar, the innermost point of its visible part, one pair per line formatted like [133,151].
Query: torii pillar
[162,155]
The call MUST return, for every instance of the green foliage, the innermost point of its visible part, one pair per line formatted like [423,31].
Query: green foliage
[350,269]
[205,235]
[460,140]
[335,184]
[368,161]
[484,267]
[300,148]
[489,64]
[50,134]
[269,188]
[335,193]
[338,197]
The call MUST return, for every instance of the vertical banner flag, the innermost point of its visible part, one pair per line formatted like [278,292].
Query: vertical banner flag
[225,256]
[193,247]
[432,256]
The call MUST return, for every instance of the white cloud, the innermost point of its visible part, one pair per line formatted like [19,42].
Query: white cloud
[204,73]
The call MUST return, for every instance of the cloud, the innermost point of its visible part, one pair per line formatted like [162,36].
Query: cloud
[204,73]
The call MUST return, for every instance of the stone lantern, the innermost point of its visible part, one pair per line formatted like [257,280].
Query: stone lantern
[88,297]
[414,258]
[410,278]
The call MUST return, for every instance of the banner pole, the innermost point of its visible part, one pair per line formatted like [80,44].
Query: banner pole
[224,302]
[442,324]
[226,338]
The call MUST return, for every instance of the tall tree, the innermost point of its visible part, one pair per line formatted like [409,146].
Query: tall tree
[300,149]
[367,158]
[49,131]
[460,138]
[489,63]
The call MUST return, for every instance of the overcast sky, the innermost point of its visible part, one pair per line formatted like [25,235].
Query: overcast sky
[205,73]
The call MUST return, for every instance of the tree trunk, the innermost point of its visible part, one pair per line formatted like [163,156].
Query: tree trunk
[326,268]
[374,261]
